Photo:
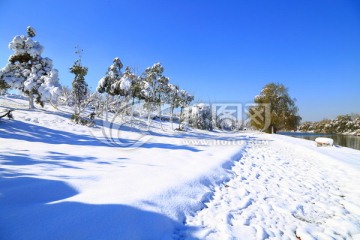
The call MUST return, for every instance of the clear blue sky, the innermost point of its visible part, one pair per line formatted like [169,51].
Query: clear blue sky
[221,51]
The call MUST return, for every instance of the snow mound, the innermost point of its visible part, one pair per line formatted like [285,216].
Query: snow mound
[322,141]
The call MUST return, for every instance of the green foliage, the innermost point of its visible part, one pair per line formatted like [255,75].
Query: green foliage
[30,31]
[79,86]
[3,86]
[110,84]
[283,113]
[87,121]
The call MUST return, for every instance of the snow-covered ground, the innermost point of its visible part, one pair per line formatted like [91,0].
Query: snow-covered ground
[63,181]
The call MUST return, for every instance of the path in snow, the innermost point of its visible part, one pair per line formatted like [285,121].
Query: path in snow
[281,192]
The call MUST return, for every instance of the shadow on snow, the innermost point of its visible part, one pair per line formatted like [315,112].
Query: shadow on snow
[34,133]
[28,211]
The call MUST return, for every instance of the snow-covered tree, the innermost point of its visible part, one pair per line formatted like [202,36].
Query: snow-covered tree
[343,124]
[113,76]
[183,99]
[79,85]
[117,85]
[152,86]
[30,73]
[3,85]
[202,117]
[135,90]
[130,88]
[66,97]
[172,98]
[123,86]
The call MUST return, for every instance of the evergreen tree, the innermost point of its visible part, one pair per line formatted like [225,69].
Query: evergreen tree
[3,85]
[79,86]
[153,85]
[108,83]
[283,111]
[30,73]
[183,99]
[116,83]
[135,92]
[123,87]
[202,117]
[172,99]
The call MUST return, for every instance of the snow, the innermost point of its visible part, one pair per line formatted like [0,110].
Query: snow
[62,181]
[324,141]
[125,84]
[280,190]
[22,44]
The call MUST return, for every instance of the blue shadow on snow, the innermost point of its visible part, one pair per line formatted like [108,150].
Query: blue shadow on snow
[28,212]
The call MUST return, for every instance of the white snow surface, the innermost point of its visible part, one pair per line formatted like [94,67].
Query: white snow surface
[323,140]
[62,181]
[125,84]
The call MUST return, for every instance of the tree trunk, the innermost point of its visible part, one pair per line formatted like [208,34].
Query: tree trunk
[106,108]
[160,115]
[132,111]
[171,116]
[31,101]
[181,110]
[149,116]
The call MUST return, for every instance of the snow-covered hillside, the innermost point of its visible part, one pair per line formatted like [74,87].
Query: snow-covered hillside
[64,181]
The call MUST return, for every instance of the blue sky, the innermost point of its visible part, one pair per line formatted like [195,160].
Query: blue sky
[220,51]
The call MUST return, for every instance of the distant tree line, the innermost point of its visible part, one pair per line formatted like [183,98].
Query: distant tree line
[343,124]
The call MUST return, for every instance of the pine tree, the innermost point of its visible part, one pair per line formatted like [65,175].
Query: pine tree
[30,73]
[152,86]
[172,99]
[115,83]
[3,85]
[107,84]
[135,92]
[202,117]
[183,99]
[123,87]
[79,86]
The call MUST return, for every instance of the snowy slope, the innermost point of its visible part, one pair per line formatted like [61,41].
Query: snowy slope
[63,181]
[283,189]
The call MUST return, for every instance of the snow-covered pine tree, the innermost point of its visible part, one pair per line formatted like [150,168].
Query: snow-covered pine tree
[110,84]
[153,86]
[162,92]
[122,87]
[79,86]
[113,75]
[30,73]
[3,85]
[135,92]
[184,99]
[129,88]
[202,117]
[172,98]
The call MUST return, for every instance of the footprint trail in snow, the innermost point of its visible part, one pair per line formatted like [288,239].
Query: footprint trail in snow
[277,192]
